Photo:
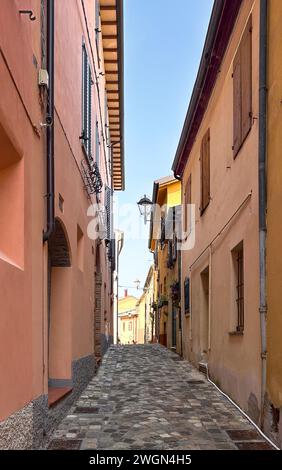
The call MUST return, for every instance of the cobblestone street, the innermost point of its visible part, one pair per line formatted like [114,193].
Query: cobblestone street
[146,397]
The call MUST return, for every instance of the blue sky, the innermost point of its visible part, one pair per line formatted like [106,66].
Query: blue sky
[163,46]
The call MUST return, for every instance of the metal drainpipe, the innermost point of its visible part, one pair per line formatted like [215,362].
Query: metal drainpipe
[262,192]
[210,297]
[179,178]
[50,123]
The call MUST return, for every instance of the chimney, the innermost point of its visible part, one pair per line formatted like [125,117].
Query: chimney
[125,292]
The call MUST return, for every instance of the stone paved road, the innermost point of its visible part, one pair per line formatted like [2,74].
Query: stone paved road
[145,397]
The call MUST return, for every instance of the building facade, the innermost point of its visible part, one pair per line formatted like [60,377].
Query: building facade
[127,319]
[61,141]
[146,321]
[163,243]
[273,405]
[217,160]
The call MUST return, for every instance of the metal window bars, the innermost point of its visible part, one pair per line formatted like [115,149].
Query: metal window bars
[240,291]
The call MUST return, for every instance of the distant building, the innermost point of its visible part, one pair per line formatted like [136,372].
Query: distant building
[146,318]
[167,260]
[127,319]
[218,161]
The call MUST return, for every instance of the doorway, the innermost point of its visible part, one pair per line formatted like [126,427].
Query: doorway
[204,314]
[173,327]
[59,310]
[98,308]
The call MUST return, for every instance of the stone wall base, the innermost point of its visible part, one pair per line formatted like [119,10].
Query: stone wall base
[106,342]
[30,427]
[272,424]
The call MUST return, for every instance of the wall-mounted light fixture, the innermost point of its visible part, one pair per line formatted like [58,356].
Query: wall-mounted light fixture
[145,207]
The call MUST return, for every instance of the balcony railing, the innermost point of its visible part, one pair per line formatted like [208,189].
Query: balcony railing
[92,178]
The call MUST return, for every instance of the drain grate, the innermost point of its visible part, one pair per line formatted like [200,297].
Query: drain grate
[86,409]
[65,444]
[248,439]
[195,382]
[253,445]
[244,435]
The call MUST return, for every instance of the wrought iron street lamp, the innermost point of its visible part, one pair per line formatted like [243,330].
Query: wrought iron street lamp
[145,207]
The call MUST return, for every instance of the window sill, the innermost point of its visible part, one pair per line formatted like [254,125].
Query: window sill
[236,333]
[203,210]
[235,154]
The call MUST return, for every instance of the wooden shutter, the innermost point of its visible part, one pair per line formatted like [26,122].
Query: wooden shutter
[97,26]
[187,295]
[86,105]
[109,211]
[97,145]
[89,115]
[187,201]
[205,171]
[242,89]
[246,78]
[237,100]
[84,94]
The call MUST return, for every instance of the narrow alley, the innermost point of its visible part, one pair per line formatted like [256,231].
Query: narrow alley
[147,397]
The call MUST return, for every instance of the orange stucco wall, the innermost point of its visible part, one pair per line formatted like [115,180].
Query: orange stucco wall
[21,365]
[234,361]
[274,219]
[26,359]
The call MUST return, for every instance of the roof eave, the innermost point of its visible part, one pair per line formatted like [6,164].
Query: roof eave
[223,18]
[121,82]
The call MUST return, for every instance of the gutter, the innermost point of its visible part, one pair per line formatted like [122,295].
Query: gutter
[120,42]
[154,199]
[50,123]
[262,193]
[223,18]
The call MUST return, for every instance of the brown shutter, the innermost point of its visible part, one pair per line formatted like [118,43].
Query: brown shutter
[246,79]
[187,201]
[237,124]
[242,89]
[205,171]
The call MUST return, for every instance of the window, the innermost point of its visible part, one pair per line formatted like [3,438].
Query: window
[238,268]
[240,290]
[130,326]
[86,135]
[205,171]
[187,295]
[187,209]
[123,326]
[97,145]
[242,90]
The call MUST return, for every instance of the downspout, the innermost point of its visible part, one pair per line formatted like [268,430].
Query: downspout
[50,123]
[179,178]
[210,297]
[262,193]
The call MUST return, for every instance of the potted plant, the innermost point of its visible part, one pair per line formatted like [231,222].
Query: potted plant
[175,291]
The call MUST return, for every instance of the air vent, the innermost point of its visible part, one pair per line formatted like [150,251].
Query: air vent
[203,367]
